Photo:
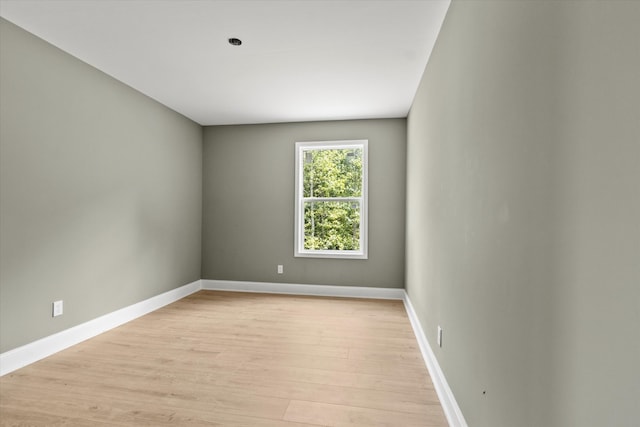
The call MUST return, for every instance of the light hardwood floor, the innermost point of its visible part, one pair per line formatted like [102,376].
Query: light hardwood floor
[236,359]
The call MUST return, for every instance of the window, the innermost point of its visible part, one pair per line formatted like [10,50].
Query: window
[331,199]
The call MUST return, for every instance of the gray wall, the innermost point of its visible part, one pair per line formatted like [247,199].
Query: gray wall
[249,204]
[523,217]
[100,192]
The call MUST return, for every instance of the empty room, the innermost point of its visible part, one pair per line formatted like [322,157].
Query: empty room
[288,213]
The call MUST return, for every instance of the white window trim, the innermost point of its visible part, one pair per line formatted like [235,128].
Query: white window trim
[299,250]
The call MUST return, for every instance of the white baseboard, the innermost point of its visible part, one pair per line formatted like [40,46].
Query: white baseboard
[299,289]
[32,352]
[447,400]
[450,406]
[22,356]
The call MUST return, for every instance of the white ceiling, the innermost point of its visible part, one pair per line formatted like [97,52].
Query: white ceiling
[300,59]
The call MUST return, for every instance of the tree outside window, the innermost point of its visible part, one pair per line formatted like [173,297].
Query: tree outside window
[331,199]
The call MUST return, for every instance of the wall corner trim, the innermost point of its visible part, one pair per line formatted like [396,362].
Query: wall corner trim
[447,399]
[29,353]
[449,405]
[301,289]
[37,350]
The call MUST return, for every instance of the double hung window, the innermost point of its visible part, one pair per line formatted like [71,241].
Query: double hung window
[331,199]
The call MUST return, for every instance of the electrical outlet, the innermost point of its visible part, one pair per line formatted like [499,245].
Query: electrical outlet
[439,336]
[57,308]
[280,269]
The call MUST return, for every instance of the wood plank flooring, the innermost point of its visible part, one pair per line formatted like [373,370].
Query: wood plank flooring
[236,359]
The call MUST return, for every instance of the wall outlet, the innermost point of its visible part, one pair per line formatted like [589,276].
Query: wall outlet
[280,269]
[57,308]
[439,336]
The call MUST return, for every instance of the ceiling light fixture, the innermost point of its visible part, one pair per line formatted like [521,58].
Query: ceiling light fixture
[234,41]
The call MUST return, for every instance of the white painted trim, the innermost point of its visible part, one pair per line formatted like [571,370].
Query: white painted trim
[299,289]
[298,246]
[32,352]
[447,399]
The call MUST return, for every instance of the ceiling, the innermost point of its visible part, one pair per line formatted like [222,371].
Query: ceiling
[300,60]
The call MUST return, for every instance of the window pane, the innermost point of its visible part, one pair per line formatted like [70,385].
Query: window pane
[332,225]
[332,172]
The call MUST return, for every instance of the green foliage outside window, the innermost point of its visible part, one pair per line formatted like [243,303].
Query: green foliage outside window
[332,173]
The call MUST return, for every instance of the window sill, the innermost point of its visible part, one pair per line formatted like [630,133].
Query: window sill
[331,254]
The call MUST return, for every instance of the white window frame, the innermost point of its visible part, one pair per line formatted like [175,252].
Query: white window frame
[363,200]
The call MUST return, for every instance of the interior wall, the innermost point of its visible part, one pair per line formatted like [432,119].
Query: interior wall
[595,343]
[100,192]
[523,199]
[248,219]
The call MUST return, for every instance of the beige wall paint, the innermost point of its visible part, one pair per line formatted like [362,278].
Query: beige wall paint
[249,204]
[596,296]
[523,217]
[100,192]
[523,199]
